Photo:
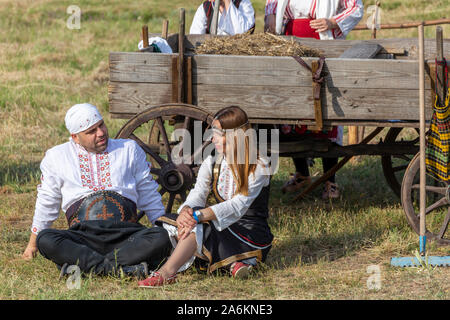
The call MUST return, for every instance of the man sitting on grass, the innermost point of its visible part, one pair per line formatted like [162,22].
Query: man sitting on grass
[99,183]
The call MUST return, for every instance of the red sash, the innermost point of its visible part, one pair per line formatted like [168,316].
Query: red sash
[301,28]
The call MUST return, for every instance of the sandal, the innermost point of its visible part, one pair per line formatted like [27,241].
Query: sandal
[295,183]
[331,191]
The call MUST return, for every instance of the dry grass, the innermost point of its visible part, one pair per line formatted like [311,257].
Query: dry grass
[259,44]
[321,250]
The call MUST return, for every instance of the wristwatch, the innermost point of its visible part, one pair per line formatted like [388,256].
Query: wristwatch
[198,216]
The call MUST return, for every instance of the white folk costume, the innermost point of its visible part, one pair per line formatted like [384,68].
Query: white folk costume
[293,18]
[296,17]
[100,194]
[347,13]
[241,231]
[239,18]
[70,173]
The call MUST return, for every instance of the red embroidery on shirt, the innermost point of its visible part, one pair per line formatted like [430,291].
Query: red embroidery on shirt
[91,179]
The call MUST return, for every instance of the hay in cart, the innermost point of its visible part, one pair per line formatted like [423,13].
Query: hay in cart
[259,44]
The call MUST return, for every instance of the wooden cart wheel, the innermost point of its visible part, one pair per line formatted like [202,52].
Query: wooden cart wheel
[394,166]
[437,203]
[153,125]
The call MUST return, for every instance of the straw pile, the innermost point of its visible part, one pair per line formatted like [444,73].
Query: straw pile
[258,44]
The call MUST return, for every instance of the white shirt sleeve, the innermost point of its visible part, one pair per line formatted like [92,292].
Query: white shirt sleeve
[237,20]
[353,12]
[271,7]
[148,197]
[230,211]
[48,202]
[199,22]
[197,196]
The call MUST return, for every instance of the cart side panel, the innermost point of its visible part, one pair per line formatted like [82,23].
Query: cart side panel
[272,87]
[138,81]
[279,87]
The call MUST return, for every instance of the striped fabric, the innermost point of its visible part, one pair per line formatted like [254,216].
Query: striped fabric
[437,155]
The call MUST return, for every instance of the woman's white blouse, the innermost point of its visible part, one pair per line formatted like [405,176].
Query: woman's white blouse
[235,205]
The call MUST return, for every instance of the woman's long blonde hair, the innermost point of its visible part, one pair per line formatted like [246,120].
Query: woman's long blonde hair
[234,117]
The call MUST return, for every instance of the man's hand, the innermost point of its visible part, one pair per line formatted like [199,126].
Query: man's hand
[31,249]
[269,23]
[321,25]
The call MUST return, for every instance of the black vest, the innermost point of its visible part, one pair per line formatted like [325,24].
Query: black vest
[208,8]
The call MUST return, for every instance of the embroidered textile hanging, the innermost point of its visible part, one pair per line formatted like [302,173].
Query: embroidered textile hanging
[437,157]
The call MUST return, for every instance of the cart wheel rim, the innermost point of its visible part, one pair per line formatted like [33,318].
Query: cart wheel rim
[437,207]
[174,178]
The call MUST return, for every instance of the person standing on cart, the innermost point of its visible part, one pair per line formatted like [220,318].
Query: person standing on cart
[318,19]
[235,17]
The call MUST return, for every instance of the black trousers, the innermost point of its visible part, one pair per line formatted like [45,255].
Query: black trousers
[101,247]
[301,166]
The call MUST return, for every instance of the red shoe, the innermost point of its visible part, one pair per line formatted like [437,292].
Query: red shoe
[240,270]
[156,280]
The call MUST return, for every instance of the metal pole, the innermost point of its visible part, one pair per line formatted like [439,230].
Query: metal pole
[422,141]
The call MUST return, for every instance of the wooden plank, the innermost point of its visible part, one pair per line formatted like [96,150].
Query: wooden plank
[244,70]
[362,50]
[175,79]
[349,122]
[266,102]
[296,102]
[267,71]
[136,97]
[333,48]
[140,67]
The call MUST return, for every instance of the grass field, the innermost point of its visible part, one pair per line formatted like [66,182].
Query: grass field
[322,250]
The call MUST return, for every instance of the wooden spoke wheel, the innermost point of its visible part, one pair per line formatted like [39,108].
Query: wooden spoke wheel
[437,203]
[394,166]
[152,129]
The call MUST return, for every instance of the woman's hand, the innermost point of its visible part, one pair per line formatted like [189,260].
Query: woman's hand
[321,25]
[185,222]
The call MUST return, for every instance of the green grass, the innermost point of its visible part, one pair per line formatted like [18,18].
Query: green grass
[321,249]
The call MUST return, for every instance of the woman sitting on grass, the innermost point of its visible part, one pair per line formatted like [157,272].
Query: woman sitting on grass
[234,232]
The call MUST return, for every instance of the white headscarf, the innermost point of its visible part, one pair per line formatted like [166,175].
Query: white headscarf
[81,117]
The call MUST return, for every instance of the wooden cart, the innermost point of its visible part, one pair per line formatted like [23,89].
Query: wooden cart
[157,91]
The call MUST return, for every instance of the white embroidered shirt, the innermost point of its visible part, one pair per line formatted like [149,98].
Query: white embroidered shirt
[70,173]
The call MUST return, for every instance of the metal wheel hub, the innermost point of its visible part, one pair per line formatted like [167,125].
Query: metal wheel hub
[176,178]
